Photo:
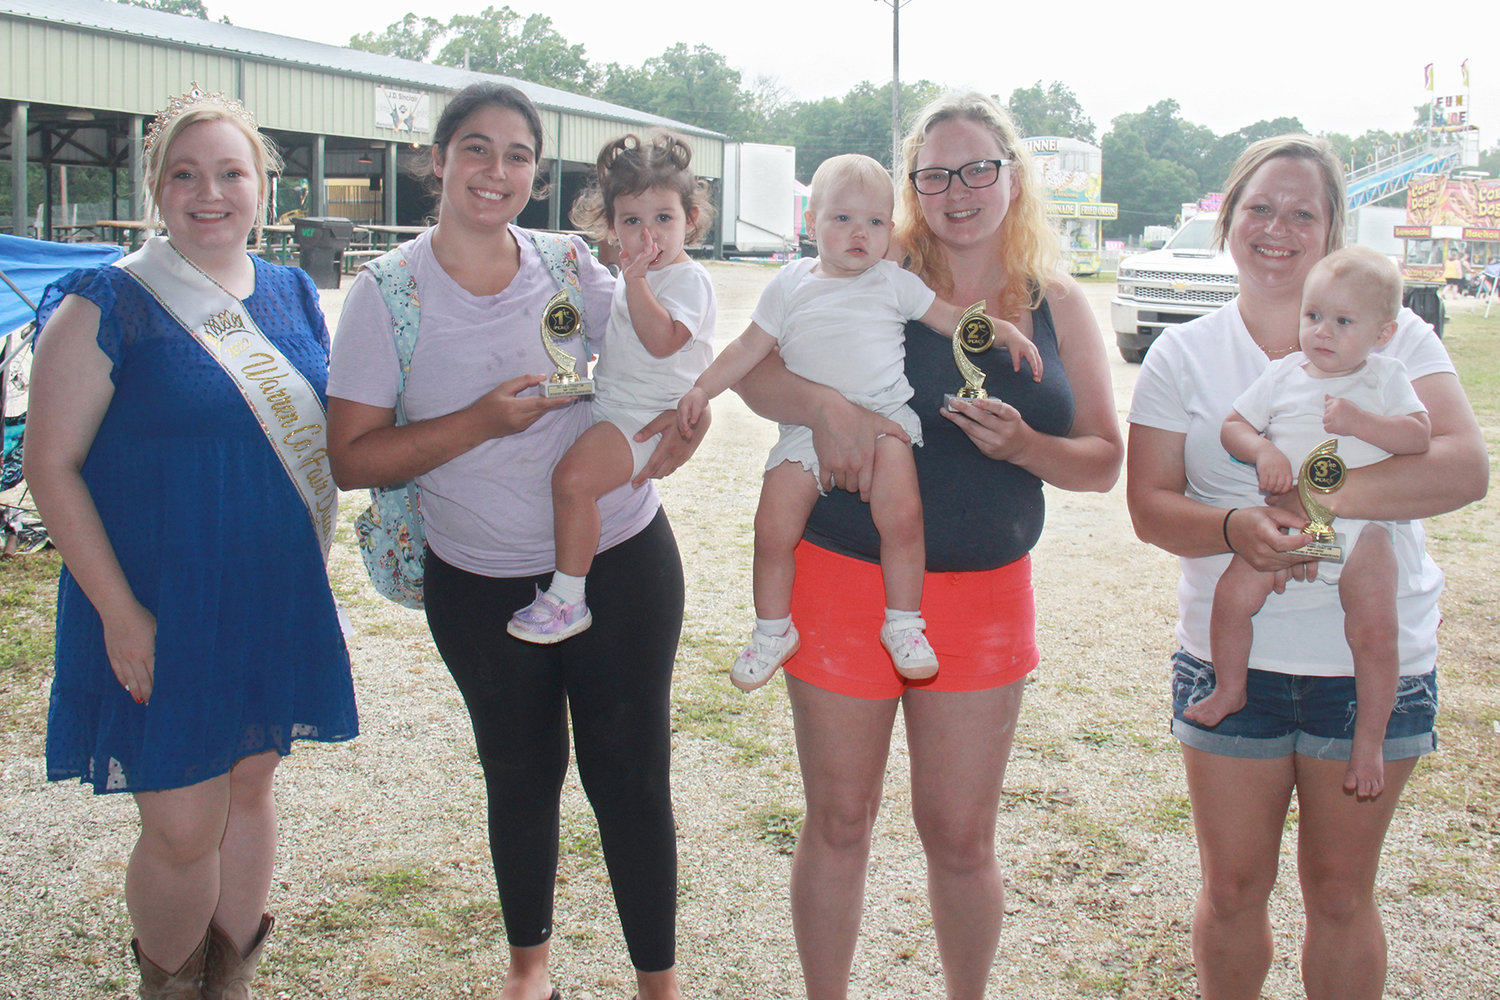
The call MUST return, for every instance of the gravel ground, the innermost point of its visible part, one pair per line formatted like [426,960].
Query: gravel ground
[384,890]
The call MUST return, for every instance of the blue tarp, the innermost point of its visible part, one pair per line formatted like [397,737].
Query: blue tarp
[32,265]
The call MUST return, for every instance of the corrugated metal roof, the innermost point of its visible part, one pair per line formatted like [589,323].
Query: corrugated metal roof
[102,15]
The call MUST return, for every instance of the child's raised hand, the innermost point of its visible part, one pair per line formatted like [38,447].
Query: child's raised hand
[635,265]
[1341,416]
[690,410]
[1273,471]
[1012,339]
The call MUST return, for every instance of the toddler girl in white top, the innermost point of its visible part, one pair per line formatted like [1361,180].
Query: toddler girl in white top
[840,320]
[648,204]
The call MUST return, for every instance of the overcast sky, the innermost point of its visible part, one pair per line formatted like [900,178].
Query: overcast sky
[1225,68]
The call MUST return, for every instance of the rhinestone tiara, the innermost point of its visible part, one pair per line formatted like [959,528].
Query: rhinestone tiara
[183,103]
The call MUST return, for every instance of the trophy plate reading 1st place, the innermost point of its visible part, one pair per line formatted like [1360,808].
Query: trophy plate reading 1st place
[576,387]
[561,320]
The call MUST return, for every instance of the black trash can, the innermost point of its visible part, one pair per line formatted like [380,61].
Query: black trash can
[1427,302]
[320,244]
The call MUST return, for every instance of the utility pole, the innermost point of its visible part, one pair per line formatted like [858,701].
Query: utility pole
[895,6]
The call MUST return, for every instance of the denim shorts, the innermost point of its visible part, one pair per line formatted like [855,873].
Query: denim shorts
[1293,713]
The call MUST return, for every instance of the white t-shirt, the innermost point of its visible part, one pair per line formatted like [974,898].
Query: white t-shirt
[1186,386]
[846,333]
[488,511]
[630,376]
[1286,405]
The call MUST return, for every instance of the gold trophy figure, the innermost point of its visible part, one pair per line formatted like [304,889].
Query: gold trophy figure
[1322,473]
[560,320]
[975,335]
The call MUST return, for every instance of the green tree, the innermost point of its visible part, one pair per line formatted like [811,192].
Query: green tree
[1489,161]
[858,122]
[412,37]
[187,8]
[501,41]
[1144,168]
[1053,111]
[693,85]
[1221,154]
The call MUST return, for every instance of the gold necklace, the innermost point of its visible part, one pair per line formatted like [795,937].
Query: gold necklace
[1278,352]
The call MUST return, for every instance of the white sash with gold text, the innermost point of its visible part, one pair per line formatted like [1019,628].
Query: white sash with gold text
[283,402]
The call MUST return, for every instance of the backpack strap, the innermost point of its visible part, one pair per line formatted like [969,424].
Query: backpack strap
[398,290]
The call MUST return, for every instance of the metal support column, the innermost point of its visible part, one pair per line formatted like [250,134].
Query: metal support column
[554,197]
[19,143]
[389,183]
[136,144]
[318,196]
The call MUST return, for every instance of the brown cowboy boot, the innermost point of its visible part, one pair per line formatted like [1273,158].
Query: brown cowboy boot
[227,973]
[184,984]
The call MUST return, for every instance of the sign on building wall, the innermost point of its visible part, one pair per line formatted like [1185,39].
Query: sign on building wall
[401,110]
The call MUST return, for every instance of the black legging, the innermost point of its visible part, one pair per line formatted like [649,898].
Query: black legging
[615,679]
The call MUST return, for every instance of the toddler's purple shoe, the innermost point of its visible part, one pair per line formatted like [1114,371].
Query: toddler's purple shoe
[547,620]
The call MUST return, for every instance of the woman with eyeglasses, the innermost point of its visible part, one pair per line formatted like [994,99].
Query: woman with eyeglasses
[970,221]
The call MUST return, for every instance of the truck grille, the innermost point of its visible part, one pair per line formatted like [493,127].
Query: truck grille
[1192,277]
[1199,296]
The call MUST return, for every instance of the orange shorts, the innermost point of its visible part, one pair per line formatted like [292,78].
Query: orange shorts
[982,625]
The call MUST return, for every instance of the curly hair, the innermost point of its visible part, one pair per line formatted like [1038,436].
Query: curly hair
[1031,247]
[630,165]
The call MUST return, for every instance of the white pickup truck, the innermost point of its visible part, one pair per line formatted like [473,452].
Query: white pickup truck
[1183,280]
[1190,277]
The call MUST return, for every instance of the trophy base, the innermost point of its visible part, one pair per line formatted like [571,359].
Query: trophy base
[1331,551]
[967,397]
[577,387]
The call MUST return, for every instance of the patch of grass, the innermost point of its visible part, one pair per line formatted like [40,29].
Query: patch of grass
[578,841]
[1048,799]
[1170,814]
[1475,349]
[1094,737]
[337,915]
[393,886]
[28,598]
[778,825]
[1095,982]
[710,708]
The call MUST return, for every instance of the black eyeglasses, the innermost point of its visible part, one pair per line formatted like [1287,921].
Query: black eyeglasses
[936,180]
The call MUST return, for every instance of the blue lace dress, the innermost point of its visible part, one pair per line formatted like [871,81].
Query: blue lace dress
[214,541]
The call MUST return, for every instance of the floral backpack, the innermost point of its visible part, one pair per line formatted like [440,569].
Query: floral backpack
[391,537]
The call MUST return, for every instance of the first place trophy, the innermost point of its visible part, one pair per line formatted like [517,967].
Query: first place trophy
[975,335]
[560,320]
[1322,473]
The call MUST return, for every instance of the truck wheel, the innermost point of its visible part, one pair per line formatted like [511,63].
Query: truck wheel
[1132,355]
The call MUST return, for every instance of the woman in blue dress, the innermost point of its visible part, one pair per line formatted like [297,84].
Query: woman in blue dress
[176,453]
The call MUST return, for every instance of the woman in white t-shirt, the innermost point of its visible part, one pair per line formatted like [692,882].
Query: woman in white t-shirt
[482,443]
[1283,210]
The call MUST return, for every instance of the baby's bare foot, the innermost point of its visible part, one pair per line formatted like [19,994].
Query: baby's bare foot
[1216,707]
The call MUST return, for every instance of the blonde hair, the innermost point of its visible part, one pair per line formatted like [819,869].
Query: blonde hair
[264,158]
[854,169]
[1030,245]
[1297,147]
[1371,268]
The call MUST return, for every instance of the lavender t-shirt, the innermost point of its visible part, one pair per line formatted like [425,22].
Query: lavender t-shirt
[488,511]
